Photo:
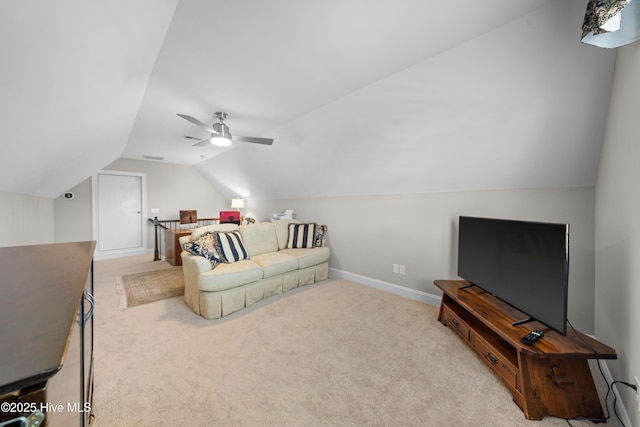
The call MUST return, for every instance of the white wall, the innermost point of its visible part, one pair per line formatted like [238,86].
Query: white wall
[366,234]
[73,216]
[617,236]
[25,220]
[170,188]
[370,233]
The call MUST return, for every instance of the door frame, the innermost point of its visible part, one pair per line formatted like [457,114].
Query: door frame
[117,253]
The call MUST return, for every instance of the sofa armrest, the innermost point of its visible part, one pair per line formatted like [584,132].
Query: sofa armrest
[184,239]
[192,266]
[196,263]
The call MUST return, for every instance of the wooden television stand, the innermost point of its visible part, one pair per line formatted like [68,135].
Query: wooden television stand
[550,377]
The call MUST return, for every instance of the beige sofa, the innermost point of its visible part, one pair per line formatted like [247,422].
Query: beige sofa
[272,268]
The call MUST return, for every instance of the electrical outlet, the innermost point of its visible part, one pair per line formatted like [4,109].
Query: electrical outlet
[637,391]
[402,269]
[395,268]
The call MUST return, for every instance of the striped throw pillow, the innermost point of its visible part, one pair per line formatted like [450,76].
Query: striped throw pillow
[301,235]
[230,246]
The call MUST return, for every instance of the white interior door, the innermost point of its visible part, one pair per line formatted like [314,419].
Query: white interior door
[120,209]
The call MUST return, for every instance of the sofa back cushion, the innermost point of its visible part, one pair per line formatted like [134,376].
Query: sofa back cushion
[259,238]
[282,231]
[197,232]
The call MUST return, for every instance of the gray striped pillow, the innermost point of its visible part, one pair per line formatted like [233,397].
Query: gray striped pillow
[301,235]
[230,246]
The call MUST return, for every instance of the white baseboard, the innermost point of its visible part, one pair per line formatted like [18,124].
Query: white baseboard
[620,408]
[121,253]
[402,291]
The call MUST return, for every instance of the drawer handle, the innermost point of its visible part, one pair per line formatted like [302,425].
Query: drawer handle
[455,322]
[89,298]
[491,358]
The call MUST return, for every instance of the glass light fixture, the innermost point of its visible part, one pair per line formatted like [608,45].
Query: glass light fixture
[220,141]
[223,137]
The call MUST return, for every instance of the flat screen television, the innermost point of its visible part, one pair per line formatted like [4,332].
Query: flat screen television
[525,264]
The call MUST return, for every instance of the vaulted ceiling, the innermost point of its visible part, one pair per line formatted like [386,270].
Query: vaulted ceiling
[361,97]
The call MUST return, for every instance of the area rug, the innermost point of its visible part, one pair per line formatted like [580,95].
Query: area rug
[143,288]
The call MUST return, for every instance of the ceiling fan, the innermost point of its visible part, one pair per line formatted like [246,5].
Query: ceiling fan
[220,134]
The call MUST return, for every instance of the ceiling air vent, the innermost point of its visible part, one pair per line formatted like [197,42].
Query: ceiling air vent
[146,157]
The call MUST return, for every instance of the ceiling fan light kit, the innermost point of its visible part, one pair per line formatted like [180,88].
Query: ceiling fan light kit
[220,141]
[220,134]
[223,137]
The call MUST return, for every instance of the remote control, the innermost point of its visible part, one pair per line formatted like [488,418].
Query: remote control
[531,337]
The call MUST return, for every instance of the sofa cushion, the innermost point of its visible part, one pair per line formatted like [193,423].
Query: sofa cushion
[259,238]
[228,276]
[301,235]
[282,231]
[204,246]
[310,256]
[275,263]
[197,232]
[230,246]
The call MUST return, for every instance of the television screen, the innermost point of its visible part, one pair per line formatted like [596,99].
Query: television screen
[525,264]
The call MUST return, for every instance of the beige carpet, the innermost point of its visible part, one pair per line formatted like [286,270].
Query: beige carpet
[150,286]
[331,354]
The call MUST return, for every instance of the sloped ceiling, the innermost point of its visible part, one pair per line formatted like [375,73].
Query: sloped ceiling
[73,76]
[361,97]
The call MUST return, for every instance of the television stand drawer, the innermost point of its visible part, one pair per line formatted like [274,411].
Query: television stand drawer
[497,360]
[455,321]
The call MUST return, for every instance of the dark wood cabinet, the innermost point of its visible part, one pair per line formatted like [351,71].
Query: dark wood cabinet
[551,377]
[46,309]
[72,386]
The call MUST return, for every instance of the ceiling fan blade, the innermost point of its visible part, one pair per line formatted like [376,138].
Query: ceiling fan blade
[265,141]
[200,141]
[203,142]
[198,123]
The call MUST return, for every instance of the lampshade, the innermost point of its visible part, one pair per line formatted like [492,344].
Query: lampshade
[611,23]
[237,203]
